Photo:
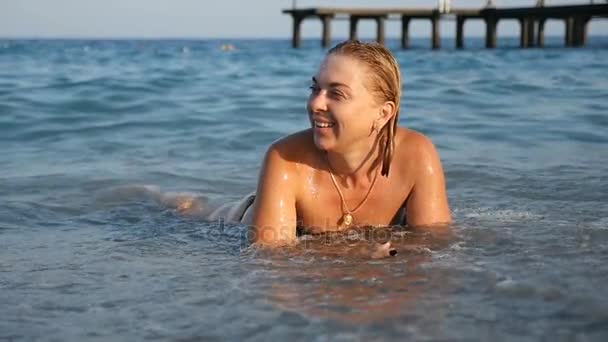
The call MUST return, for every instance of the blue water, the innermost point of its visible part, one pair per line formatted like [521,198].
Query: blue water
[523,135]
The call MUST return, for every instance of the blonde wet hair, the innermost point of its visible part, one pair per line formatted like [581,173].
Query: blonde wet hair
[384,83]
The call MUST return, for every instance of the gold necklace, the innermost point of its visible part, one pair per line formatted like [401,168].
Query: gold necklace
[347,214]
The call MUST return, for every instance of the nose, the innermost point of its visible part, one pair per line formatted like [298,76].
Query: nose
[317,102]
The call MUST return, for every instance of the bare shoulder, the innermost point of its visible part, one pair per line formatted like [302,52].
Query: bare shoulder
[295,147]
[427,202]
[286,158]
[414,147]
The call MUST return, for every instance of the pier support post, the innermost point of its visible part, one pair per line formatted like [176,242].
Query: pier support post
[491,23]
[380,33]
[576,32]
[405,34]
[531,29]
[296,39]
[540,38]
[569,31]
[460,32]
[579,31]
[584,31]
[524,35]
[353,27]
[436,43]
[326,20]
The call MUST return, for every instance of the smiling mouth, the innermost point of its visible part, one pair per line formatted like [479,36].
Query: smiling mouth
[320,124]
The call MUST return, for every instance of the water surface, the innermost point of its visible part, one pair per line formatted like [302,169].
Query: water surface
[523,135]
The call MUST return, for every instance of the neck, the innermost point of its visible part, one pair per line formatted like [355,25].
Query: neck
[357,164]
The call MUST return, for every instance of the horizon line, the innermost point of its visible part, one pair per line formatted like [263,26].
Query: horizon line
[247,37]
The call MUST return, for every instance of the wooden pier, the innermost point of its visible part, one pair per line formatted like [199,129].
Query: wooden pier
[531,19]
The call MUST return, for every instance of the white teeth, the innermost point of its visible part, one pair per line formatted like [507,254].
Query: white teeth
[323,124]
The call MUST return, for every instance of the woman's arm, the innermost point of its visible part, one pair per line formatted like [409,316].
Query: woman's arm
[274,215]
[427,203]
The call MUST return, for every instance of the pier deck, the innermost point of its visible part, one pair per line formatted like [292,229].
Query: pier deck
[532,22]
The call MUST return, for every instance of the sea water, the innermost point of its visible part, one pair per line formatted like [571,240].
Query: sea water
[523,136]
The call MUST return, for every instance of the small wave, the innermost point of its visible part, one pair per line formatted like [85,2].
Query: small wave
[579,136]
[520,289]
[497,214]
[601,223]
[514,288]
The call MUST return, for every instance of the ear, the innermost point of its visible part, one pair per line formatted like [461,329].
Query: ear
[387,111]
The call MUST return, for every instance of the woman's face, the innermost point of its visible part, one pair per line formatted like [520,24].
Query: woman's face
[340,108]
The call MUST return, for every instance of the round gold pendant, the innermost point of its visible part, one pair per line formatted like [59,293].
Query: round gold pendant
[347,219]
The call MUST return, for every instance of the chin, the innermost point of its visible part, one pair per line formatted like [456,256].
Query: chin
[323,143]
[326,144]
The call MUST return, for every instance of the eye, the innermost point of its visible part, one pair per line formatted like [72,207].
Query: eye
[337,94]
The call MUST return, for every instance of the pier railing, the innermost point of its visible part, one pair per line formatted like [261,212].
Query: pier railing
[531,19]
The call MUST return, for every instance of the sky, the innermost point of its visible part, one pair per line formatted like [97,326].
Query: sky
[227,19]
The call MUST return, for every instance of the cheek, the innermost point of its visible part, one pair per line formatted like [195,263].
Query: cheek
[355,117]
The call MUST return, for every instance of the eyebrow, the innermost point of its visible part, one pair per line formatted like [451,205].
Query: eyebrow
[332,85]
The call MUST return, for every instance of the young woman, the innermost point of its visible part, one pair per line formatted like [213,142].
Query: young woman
[354,166]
